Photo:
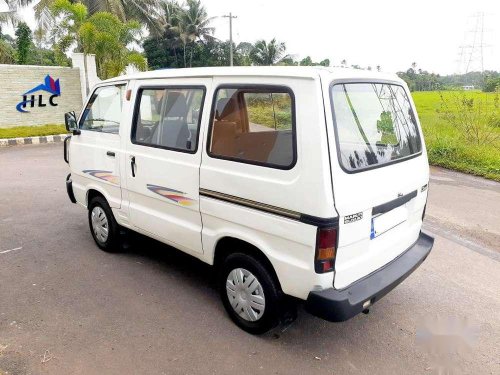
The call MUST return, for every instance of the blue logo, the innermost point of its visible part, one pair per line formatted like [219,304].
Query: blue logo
[50,85]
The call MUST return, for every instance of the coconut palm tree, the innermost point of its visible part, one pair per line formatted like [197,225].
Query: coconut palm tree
[267,53]
[102,34]
[190,21]
[9,16]
[147,12]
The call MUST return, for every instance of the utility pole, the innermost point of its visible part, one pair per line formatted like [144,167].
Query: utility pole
[230,16]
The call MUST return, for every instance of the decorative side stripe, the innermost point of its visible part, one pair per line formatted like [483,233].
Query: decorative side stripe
[103,175]
[171,194]
[307,219]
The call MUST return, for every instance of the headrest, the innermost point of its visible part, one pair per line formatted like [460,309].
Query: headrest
[176,105]
[227,110]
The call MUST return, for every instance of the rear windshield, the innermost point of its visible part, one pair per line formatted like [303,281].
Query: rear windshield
[375,125]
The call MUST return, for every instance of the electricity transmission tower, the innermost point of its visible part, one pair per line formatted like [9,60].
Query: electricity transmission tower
[471,53]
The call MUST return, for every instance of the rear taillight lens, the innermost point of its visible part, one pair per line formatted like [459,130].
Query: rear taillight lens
[326,249]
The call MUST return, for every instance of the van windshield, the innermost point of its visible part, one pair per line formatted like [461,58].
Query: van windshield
[374,124]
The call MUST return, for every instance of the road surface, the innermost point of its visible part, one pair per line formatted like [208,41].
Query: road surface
[68,308]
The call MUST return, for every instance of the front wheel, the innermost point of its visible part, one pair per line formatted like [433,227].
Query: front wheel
[250,295]
[103,225]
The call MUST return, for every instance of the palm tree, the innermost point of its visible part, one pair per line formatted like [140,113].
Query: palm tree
[8,16]
[264,53]
[68,32]
[190,22]
[102,34]
[147,12]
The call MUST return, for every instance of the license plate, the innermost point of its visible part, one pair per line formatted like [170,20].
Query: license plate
[387,221]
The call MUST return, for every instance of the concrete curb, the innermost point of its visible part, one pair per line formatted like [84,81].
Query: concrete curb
[32,140]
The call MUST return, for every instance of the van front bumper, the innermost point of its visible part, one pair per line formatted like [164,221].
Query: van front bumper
[340,305]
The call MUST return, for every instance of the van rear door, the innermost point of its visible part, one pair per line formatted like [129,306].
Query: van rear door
[380,174]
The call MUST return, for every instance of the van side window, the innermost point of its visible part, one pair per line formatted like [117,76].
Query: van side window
[254,125]
[104,110]
[168,118]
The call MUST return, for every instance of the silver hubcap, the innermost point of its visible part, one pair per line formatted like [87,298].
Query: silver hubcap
[100,224]
[245,294]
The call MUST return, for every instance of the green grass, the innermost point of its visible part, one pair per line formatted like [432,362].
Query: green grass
[446,146]
[262,111]
[31,131]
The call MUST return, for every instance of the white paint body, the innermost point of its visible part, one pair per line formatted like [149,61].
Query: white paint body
[316,185]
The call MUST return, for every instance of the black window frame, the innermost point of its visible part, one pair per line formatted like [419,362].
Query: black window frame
[83,114]
[255,88]
[137,106]
[335,129]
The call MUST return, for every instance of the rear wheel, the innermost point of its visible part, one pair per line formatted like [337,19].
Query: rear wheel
[250,294]
[103,226]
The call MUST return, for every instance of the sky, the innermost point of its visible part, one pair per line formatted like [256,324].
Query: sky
[389,33]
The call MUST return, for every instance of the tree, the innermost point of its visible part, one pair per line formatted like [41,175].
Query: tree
[102,34]
[9,16]
[24,43]
[264,53]
[288,61]
[191,22]
[147,12]
[7,52]
[492,84]
[306,61]
[66,32]
[325,62]
[244,49]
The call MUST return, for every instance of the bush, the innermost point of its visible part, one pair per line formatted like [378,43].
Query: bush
[473,115]
[492,85]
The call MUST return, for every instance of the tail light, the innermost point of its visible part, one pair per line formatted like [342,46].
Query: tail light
[326,249]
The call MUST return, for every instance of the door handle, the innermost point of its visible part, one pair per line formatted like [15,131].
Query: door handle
[110,153]
[132,165]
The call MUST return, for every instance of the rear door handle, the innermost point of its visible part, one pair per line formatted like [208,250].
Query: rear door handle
[110,153]
[132,165]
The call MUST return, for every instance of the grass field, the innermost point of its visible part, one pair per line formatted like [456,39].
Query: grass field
[446,145]
[31,131]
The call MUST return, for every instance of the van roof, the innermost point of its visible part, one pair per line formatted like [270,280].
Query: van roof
[275,71]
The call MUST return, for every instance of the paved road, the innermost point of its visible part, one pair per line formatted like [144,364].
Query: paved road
[68,308]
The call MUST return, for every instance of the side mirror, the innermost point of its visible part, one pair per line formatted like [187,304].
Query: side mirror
[71,123]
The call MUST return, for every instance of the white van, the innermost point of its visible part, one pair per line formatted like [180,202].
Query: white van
[297,184]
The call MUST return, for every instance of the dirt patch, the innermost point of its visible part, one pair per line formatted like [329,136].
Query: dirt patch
[12,362]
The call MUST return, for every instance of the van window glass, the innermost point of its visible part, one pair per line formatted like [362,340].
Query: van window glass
[104,110]
[254,125]
[375,124]
[169,118]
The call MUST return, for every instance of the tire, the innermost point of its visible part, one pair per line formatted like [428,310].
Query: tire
[241,267]
[99,208]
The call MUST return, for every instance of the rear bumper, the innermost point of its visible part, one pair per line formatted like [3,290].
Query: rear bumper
[69,189]
[339,305]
